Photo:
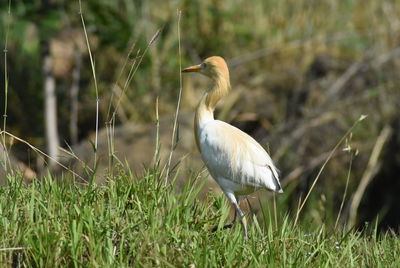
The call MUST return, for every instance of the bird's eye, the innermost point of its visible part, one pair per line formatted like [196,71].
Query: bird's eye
[203,65]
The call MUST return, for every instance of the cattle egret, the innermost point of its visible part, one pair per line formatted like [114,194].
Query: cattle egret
[235,160]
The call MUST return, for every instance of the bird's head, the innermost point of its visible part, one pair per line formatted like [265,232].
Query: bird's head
[214,67]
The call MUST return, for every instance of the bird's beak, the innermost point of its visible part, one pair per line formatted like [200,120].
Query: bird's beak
[194,68]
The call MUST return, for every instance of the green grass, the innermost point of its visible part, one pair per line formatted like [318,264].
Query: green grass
[140,222]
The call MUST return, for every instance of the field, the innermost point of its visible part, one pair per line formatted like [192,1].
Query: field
[143,223]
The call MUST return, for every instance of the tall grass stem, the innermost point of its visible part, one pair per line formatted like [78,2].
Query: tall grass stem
[174,131]
[92,64]
[6,156]
[345,190]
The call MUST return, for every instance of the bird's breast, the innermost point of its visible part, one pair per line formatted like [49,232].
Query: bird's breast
[213,143]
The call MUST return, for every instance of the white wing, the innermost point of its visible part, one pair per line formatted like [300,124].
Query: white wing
[232,154]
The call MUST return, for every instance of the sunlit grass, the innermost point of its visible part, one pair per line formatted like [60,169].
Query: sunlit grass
[140,222]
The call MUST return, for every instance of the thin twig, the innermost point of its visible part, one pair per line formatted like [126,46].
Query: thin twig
[295,173]
[302,128]
[383,58]
[263,52]
[345,78]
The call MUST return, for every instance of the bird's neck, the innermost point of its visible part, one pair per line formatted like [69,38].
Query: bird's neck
[205,109]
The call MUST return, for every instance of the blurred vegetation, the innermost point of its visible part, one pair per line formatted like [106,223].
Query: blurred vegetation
[309,70]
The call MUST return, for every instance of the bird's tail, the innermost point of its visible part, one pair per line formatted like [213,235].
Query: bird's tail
[278,187]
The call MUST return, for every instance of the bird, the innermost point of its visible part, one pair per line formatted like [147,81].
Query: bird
[236,161]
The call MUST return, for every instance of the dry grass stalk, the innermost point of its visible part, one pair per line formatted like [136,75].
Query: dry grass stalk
[134,67]
[362,117]
[345,190]
[174,131]
[3,144]
[95,81]
[156,157]
[40,152]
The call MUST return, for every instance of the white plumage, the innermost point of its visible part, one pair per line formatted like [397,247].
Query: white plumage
[235,160]
[232,154]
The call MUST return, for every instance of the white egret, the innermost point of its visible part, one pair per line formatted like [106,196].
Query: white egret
[237,162]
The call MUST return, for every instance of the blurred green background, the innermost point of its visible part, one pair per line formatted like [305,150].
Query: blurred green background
[303,72]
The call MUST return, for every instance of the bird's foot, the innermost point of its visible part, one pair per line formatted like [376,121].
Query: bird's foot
[228,226]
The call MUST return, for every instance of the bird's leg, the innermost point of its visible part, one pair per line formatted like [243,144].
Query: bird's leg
[243,220]
[233,199]
[238,212]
